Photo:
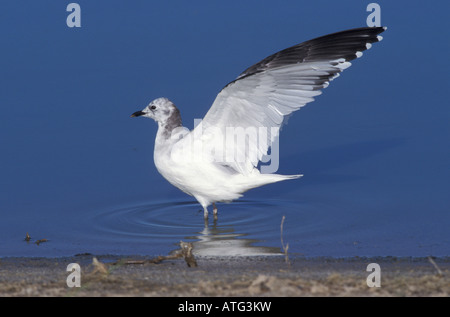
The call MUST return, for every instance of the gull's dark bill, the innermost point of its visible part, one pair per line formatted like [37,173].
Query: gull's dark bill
[137,114]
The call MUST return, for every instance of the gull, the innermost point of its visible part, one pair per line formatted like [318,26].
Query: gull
[206,162]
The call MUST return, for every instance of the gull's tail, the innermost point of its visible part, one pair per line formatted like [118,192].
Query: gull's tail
[263,179]
[279,177]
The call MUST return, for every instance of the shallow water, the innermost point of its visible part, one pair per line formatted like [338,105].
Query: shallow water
[245,227]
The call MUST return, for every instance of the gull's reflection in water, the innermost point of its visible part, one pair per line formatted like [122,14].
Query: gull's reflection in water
[216,240]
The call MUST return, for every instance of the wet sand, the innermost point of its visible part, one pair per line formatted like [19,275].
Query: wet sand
[225,276]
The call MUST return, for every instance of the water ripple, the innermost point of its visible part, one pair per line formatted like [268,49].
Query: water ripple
[168,222]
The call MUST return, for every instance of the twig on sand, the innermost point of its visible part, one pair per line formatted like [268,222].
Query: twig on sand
[285,247]
[99,267]
[430,259]
[185,252]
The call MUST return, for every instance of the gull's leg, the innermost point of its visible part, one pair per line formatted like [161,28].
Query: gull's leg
[205,212]
[214,211]
[205,215]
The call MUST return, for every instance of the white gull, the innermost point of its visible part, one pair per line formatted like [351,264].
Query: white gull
[211,168]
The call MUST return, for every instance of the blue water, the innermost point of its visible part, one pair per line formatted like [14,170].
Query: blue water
[247,227]
[77,171]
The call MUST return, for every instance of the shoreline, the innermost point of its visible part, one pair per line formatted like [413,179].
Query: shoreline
[256,276]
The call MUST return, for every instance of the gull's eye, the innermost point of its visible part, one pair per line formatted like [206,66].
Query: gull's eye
[153,107]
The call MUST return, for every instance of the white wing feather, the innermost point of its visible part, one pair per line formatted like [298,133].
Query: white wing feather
[267,92]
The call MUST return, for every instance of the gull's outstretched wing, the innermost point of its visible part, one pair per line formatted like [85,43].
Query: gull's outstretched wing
[265,93]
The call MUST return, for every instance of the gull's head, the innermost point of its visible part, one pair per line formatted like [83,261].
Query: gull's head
[160,110]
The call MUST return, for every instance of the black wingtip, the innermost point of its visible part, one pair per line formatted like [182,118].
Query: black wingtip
[343,44]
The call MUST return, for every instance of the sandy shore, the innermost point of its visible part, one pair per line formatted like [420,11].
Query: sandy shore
[225,276]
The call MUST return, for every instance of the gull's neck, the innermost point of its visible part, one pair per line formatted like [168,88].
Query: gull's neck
[165,128]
